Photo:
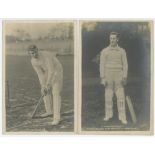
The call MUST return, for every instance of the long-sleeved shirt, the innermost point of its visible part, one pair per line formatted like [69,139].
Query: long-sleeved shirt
[113,58]
[48,68]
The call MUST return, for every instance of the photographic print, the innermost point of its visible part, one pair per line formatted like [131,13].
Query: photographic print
[116,77]
[39,76]
[84,77]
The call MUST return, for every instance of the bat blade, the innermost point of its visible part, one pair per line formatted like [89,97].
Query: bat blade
[131,109]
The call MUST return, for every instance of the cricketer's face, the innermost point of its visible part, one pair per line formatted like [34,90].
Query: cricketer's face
[33,54]
[113,40]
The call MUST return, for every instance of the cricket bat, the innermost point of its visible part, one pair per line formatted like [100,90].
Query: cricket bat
[131,109]
[39,102]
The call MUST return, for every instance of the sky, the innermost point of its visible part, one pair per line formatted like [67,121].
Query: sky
[34,29]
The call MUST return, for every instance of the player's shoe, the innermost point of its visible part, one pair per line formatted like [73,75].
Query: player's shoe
[45,115]
[124,121]
[106,119]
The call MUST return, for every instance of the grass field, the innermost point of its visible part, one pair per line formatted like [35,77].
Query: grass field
[24,92]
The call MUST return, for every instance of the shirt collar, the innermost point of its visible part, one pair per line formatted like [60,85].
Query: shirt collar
[113,48]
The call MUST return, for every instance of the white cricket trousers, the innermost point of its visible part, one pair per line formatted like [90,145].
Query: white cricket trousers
[114,85]
[52,101]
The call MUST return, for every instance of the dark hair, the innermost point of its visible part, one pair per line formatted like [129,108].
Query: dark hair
[114,33]
[33,48]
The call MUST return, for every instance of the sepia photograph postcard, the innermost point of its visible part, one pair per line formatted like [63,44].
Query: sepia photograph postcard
[116,77]
[84,77]
[38,77]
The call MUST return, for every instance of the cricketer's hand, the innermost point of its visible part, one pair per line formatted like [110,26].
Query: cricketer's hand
[124,81]
[44,91]
[103,81]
